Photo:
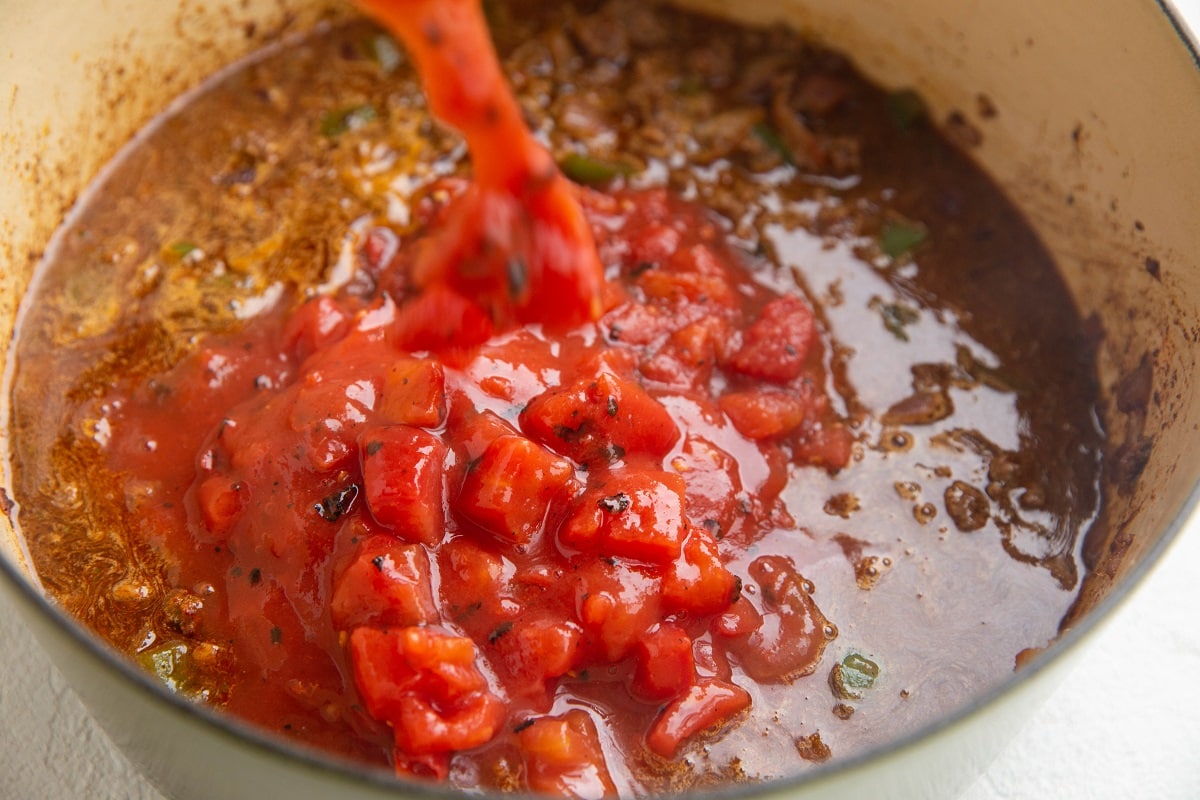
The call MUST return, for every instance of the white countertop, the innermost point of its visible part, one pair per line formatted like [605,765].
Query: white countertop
[1125,724]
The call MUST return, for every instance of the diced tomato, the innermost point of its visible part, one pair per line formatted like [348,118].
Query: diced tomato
[413,393]
[793,634]
[512,487]
[713,481]
[698,581]
[687,288]
[475,587]
[740,620]
[775,346]
[829,445]
[473,430]
[328,411]
[221,502]
[621,362]
[425,683]
[535,650]
[563,757]
[700,257]
[616,604]
[218,376]
[386,585]
[634,514]
[663,663]
[654,244]
[599,420]
[314,326]
[403,480]
[709,702]
[639,324]
[441,321]
[343,403]
[497,386]
[688,359]
[763,413]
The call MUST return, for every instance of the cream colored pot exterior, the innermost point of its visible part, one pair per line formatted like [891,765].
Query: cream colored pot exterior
[1086,112]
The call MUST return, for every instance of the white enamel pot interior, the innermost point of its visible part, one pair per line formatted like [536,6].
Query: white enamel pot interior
[1086,116]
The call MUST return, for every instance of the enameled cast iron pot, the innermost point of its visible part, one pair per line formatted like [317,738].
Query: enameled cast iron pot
[1086,113]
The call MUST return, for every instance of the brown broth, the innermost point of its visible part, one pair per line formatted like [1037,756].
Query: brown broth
[962,361]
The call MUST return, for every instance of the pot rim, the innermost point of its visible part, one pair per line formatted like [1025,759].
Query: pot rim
[286,751]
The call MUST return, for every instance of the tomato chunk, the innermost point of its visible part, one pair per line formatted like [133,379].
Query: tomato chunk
[663,663]
[221,502]
[698,581]
[687,360]
[634,514]
[535,650]
[763,413]
[314,326]
[474,430]
[442,321]
[424,682]
[414,393]
[330,400]
[709,702]
[616,604]
[600,420]
[403,481]
[512,487]
[387,584]
[475,587]
[687,287]
[563,757]
[829,445]
[775,346]
[714,483]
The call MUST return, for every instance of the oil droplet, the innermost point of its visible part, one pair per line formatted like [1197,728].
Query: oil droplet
[842,505]
[895,441]
[924,513]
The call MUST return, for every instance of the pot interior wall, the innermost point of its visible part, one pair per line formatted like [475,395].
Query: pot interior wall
[1087,127]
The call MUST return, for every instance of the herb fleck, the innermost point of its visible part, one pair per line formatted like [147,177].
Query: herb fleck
[337,504]
[499,631]
[335,123]
[614,504]
[899,238]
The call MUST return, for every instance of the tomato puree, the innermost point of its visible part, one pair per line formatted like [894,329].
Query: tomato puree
[432,554]
[515,246]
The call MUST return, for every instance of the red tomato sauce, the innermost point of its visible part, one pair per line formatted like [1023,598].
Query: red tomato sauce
[445,560]
[514,247]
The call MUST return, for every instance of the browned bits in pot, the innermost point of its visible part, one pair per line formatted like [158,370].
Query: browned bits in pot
[181,609]
[842,505]
[811,748]
[967,506]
